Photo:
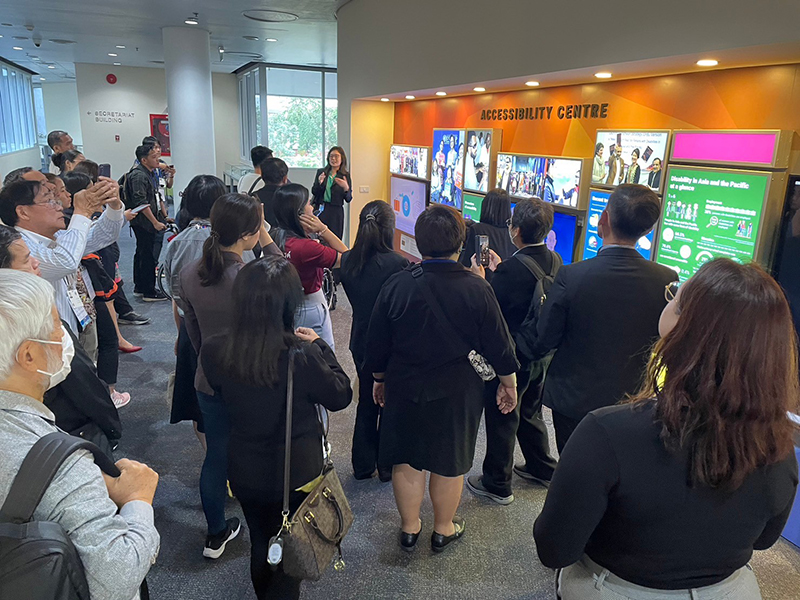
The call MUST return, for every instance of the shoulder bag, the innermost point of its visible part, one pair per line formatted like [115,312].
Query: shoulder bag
[309,540]
[482,367]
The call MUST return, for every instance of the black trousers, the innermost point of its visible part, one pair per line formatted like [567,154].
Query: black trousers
[107,344]
[148,249]
[564,427]
[367,429]
[109,256]
[264,520]
[524,423]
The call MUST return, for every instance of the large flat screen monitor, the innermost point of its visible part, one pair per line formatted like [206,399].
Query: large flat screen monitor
[447,167]
[553,179]
[472,206]
[787,260]
[598,200]
[630,157]
[410,161]
[408,201]
[707,213]
[478,159]
[561,238]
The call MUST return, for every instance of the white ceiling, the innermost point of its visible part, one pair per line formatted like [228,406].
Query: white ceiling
[96,28]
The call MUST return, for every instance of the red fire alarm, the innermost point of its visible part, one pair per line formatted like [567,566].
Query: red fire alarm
[116,138]
[111,78]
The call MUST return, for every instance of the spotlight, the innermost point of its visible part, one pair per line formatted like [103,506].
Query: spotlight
[192,20]
[707,62]
[603,75]
[532,83]
[384,100]
[441,93]
[410,97]
[479,89]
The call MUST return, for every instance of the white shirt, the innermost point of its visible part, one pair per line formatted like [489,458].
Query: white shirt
[60,258]
[247,181]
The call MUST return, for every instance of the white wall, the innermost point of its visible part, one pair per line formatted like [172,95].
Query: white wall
[138,93]
[15,160]
[61,109]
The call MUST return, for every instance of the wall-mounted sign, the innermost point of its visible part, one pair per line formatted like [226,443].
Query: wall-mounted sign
[763,148]
[159,129]
[111,116]
[545,113]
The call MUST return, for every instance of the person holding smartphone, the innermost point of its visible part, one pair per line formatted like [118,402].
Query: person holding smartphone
[332,188]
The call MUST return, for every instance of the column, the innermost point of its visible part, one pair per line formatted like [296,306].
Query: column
[187,63]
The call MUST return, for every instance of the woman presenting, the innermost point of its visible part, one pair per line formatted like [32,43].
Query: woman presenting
[332,188]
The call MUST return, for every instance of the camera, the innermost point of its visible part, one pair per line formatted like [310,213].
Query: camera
[37,42]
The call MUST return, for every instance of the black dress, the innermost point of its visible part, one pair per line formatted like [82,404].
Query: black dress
[434,398]
[333,212]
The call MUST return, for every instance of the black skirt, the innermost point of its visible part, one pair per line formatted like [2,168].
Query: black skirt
[431,418]
[184,396]
[333,217]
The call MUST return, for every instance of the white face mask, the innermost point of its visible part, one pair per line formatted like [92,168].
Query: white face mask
[67,354]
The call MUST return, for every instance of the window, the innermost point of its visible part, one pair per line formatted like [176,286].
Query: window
[299,117]
[16,110]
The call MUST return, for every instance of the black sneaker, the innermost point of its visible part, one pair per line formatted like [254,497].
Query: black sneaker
[132,318]
[523,472]
[215,544]
[154,297]
[475,485]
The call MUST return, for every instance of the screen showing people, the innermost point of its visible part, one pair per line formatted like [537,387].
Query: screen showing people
[598,200]
[561,238]
[447,168]
[472,206]
[555,180]
[408,202]
[411,161]
[630,157]
[708,213]
[478,160]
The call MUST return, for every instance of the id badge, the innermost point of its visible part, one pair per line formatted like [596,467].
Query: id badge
[275,552]
[78,308]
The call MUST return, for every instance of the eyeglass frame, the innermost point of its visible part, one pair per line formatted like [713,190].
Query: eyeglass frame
[671,293]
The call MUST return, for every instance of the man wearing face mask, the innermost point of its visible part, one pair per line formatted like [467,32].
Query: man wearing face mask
[108,520]
[79,400]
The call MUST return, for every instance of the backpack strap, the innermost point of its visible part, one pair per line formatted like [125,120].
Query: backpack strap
[536,270]
[252,187]
[39,468]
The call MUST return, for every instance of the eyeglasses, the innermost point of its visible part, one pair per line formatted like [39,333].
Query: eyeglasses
[671,290]
[52,203]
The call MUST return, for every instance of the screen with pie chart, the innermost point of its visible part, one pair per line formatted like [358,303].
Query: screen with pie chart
[408,200]
[598,200]
[708,213]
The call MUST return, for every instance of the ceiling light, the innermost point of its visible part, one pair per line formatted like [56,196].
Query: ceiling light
[42,79]
[479,89]
[707,62]
[441,93]
[271,40]
[112,54]
[270,16]
[51,66]
[531,83]
[1,36]
[117,64]
[192,20]
[252,38]
[16,48]
[121,47]
[7,24]
[20,37]
[384,100]
[221,50]
[603,75]
[36,58]
[410,97]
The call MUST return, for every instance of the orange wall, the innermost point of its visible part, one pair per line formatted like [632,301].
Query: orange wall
[752,98]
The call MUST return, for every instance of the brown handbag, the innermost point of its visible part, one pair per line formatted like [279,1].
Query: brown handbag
[312,537]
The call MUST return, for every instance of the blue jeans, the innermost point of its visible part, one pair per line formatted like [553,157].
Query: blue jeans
[214,474]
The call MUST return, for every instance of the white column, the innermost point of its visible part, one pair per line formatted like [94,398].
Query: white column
[187,63]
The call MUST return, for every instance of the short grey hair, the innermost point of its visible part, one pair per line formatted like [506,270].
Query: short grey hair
[26,302]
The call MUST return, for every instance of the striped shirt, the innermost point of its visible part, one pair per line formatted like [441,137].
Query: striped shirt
[60,258]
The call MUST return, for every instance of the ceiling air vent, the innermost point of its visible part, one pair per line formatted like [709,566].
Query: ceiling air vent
[269,16]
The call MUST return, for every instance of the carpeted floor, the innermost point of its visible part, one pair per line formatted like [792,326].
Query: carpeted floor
[496,559]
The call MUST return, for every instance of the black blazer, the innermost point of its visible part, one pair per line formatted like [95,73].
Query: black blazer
[258,417]
[338,195]
[601,317]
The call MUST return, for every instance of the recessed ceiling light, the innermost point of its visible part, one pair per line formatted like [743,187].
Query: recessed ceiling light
[51,66]
[479,89]
[441,93]
[16,48]
[252,38]
[271,40]
[410,97]
[1,36]
[62,42]
[117,64]
[384,100]
[20,37]
[192,20]
[603,75]
[42,79]
[707,62]
[121,47]
[112,54]
[36,58]
[6,24]
[531,83]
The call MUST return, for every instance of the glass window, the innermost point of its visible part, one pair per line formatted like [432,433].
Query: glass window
[331,111]
[249,112]
[17,130]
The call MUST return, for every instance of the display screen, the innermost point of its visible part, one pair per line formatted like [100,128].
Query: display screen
[447,168]
[707,213]
[755,147]
[478,160]
[787,260]
[598,200]
[408,202]
[630,157]
[411,161]
[561,238]
[472,206]
[555,180]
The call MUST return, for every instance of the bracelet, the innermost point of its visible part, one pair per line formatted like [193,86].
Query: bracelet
[378,380]
[324,231]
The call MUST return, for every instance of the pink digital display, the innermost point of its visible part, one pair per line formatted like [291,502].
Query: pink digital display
[720,147]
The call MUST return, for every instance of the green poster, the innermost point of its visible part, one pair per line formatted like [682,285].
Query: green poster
[472,206]
[709,213]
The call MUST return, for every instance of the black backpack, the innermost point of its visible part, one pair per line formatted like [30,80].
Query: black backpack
[526,337]
[37,558]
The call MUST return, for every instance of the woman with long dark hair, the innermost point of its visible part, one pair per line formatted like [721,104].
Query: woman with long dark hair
[237,223]
[495,216]
[66,161]
[295,219]
[332,188]
[674,490]
[364,270]
[248,368]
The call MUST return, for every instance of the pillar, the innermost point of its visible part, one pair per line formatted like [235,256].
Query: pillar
[187,64]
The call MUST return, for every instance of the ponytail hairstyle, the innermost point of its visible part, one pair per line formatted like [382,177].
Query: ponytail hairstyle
[233,216]
[60,160]
[375,235]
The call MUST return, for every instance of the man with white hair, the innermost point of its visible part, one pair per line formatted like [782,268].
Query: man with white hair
[108,520]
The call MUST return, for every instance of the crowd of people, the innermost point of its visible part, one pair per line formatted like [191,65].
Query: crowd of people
[669,402]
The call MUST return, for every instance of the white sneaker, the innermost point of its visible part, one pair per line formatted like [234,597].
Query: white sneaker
[120,399]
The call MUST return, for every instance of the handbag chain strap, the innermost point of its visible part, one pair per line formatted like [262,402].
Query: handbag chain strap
[287,448]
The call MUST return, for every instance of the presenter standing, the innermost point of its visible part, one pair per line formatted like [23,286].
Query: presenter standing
[332,188]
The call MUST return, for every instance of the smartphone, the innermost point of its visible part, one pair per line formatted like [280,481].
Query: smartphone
[647,153]
[104,170]
[482,245]
[139,209]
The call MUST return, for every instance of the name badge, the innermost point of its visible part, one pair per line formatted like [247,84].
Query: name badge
[78,308]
